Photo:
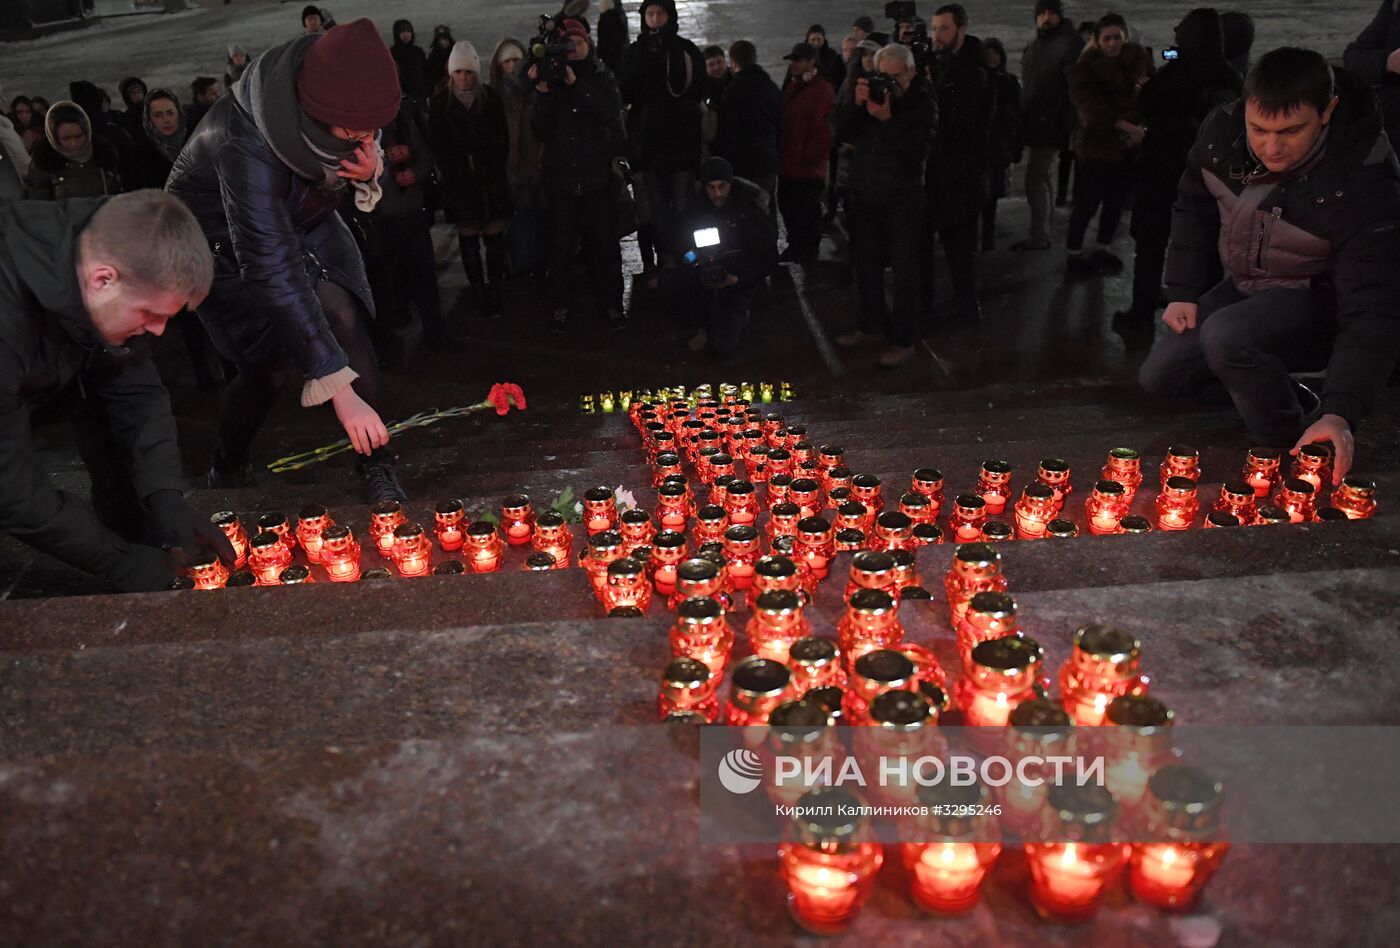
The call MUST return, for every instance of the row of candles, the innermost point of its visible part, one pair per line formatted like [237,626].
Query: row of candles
[609,402]
[801,684]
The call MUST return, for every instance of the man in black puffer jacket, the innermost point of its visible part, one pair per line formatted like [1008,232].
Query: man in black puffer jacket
[575,126]
[1294,188]
[80,282]
[264,173]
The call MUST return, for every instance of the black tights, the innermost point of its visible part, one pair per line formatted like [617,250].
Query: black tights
[250,396]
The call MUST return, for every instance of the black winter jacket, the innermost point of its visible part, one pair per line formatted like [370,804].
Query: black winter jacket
[575,126]
[748,236]
[1045,67]
[274,233]
[750,117]
[471,148]
[412,65]
[663,83]
[958,166]
[1366,55]
[887,168]
[47,341]
[1332,225]
[612,34]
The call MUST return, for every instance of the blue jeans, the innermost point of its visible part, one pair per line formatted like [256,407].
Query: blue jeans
[1248,345]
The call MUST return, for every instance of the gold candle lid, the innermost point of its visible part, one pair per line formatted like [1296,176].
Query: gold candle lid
[956,809]
[1106,650]
[775,566]
[814,652]
[885,667]
[778,603]
[241,578]
[451,506]
[1187,799]
[223,518]
[539,561]
[1135,524]
[755,679]
[454,568]
[828,817]
[1179,487]
[994,531]
[902,711]
[1085,813]
[1063,528]
[871,602]
[1272,514]
[294,575]
[1138,711]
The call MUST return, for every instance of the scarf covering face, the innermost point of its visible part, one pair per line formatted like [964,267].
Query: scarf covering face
[268,92]
[64,113]
[169,145]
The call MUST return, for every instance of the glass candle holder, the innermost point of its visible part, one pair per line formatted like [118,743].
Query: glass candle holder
[828,865]
[994,531]
[1104,664]
[756,464]
[517,519]
[1183,807]
[636,528]
[994,486]
[1220,518]
[916,507]
[871,622]
[775,572]
[599,510]
[927,534]
[778,487]
[741,553]
[1269,515]
[780,462]
[741,504]
[413,551]
[482,548]
[969,514]
[1134,525]
[853,515]
[340,554]
[552,536]
[228,522]
[1106,507]
[782,521]
[1062,528]
[626,585]
[756,686]
[207,571]
[719,465]
[958,843]
[871,569]
[241,579]
[801,731]
[1054,474]
[1137,744]
[806,493]
[997,676]
[710,524]
[449,524]
[830,456]
[1124,465]
[815,546]
[1036,731]
[850,540]
[603,549]
[666,464]
[1177,504]
[277,523]
[688,685]
[906,571]
[777,623]
[976,568]
[1181,461]
[1296,497]
[893,531]
[384,518]
[267,557]
[833,699]
[815,662]
[701,632]
[295,575]
[989,615]
[312,521]
[1355,497]
[1069,877]
[929,482]
[1314,465]
[897,723]
[674,506]
[537,562]
[700,577]
[1237,499]
[1034,511]
[874,673]
[867,489]
[1263,471]
[667,553]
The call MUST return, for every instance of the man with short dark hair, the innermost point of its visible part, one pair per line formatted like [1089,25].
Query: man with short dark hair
[747,133]
[862,27]
[204,92]
[1297,190]
[80,281]
[1047,114]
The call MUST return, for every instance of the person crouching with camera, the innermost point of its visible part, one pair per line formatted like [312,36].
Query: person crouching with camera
[733,246]
[891,122]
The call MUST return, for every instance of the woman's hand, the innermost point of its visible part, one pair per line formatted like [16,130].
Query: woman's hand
[361,423]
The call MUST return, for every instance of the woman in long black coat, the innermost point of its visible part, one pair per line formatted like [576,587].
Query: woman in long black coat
[471,143]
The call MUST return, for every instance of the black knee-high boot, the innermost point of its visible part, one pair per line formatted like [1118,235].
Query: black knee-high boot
[495,273]
[470,245]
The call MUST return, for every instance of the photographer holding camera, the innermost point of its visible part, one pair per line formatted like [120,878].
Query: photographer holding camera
[734,246]
[573,123]
[891,122]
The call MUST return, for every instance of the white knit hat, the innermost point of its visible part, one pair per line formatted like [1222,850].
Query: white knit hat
[464,56]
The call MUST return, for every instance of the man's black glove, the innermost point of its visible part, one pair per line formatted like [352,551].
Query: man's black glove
[180,525]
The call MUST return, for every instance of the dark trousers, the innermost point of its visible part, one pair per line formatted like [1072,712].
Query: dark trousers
[890,235]
[250,395]
[800,201]
[590,218]
[113,492]
[1099,184]
[1064,172]
[959,241]
[1149,259]
[721,313]
[407,271]
[1248,345]
[668,194]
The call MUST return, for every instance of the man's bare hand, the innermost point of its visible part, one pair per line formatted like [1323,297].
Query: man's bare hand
[1392,62]
[1180,317]
[1332,428]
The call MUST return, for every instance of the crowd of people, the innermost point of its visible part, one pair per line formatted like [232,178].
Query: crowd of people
[1264,201]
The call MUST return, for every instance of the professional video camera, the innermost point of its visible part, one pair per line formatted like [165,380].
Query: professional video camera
[708,258]
[549,52]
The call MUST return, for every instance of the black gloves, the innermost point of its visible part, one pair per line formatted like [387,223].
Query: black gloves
[180,525]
